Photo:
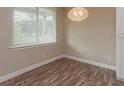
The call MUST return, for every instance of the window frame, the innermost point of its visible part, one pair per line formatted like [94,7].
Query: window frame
[30,45]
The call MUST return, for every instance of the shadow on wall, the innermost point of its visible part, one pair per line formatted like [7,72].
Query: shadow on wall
[94,37]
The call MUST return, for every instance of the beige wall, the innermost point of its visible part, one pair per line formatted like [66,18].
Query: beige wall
[93,38]
[13,60]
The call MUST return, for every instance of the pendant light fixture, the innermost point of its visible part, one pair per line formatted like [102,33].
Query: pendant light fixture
[78,14]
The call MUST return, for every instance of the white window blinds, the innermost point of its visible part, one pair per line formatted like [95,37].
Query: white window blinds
[34,26]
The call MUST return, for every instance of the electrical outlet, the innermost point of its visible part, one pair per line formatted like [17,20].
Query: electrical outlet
[43,55]
[109,58]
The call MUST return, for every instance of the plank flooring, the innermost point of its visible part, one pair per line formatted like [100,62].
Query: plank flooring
[66,72]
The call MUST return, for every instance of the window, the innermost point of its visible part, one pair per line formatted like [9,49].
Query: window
[34,26]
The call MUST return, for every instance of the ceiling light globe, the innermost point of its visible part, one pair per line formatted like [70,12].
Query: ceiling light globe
[78,14]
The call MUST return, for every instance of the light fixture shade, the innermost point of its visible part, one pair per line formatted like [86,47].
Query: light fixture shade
[78,14]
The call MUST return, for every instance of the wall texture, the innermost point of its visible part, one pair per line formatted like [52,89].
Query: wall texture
[15,59]
[93,38]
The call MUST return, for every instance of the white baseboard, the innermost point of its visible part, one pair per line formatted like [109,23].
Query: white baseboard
[91,62]
[120,79]
[24,70]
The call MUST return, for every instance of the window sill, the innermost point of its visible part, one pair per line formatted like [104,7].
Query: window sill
[16,47]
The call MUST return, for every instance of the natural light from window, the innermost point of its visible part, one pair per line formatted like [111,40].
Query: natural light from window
[32,26]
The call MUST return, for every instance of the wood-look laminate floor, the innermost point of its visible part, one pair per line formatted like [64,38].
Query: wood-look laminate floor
[66,72]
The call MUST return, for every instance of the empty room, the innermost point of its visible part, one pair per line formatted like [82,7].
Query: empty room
[61,46]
